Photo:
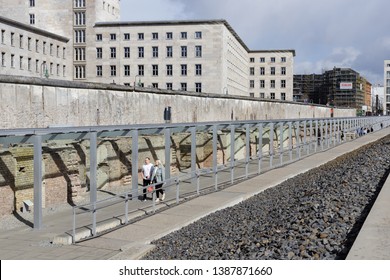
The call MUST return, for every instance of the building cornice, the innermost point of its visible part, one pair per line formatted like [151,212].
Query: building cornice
[32,29]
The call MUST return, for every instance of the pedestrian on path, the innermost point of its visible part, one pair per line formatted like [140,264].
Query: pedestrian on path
[147,172]
[158,177]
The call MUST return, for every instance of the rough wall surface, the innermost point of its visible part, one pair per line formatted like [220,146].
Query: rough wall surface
[57,103]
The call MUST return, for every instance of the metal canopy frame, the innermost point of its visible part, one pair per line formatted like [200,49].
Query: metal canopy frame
[37,137]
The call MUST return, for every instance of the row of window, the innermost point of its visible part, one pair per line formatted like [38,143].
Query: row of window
[155,70]
[272,95]
[154,52]
[271,72]
[39,66]
[263,84]
[271,59]
[154,36]
[169,86]
[30,43]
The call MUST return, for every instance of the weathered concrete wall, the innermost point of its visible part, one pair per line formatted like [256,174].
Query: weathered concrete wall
[32,103]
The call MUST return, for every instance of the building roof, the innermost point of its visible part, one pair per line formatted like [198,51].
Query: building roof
[185,22]
[32,29]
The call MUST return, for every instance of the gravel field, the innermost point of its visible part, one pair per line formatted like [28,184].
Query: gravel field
[316,215]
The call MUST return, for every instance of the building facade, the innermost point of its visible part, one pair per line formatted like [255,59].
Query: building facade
[386,103]
[197,56]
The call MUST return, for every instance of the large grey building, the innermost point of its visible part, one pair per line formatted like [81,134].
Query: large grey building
[198,56]
[386,103]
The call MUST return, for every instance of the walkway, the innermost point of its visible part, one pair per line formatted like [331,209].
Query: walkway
[132,241]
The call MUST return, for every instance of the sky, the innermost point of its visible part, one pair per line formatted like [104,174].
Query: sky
[324,33]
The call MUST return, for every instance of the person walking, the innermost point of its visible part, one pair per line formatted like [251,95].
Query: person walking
[158,177]
[146,174]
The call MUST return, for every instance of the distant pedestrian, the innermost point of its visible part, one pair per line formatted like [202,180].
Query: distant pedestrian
[158,177]
[146,174]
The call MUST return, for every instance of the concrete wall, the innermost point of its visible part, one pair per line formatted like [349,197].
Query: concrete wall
[37,103]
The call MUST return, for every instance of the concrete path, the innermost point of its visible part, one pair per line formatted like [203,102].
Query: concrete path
[132,241]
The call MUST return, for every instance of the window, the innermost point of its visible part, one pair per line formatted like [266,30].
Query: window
[29,43]
[12,38]
[272,95]
[154,36]
[272,83]
[32,3]
[63,52]
[198,35]
[99,70]
[198,51]
[113,70]
[169,35]
[141,70]
[262,95]
[184,69]
[140,52]
[113,52]
[252,60]
[79,18]
[51,49]
[80,72]
[169,51]
[272,70]
[29,64]
[37,65]
[99,53]
[113,37]
[262,83]
[283,96]
[37,45]
[198,87]
[252,94]
[21,41]
[262,59]
[51,68]
[283,59]
[262,71]
[183,51]
[127,36]
[251,84]
[3,59]
[44,48]
[79,54]
[155,70]
[283,83]
[140,36]
[252,71]
[12,60]
[99,37]
[126,52]
[272,59]
[283,71]
[183,35]
[2,36]
[32,19]
[169,86]
[155,52]
[183,86]
[127,70]
[169,70]
[154,85]
[198,69]
[79,36]
[79,3]
[64,70]
[58,70]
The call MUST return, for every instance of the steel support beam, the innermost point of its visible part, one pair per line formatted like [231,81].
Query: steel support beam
[37,139]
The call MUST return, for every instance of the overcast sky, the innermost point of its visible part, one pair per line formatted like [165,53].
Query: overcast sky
[324,33]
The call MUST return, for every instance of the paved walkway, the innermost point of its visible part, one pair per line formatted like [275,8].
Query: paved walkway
[132,241]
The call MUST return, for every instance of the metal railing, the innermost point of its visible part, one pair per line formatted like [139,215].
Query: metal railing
[276,143]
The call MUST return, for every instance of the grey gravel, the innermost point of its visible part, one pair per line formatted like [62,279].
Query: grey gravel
[316,215]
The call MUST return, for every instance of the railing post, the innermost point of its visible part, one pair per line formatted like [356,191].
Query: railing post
[271,144]
[305,137]
[290,140]
[167,135]
[93,177]
[311,136]
[281,137]
[215,151]
[298,139]
[260,151]
[193,153]
[317,137]
[247,149]
[232,151]
[37,141]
